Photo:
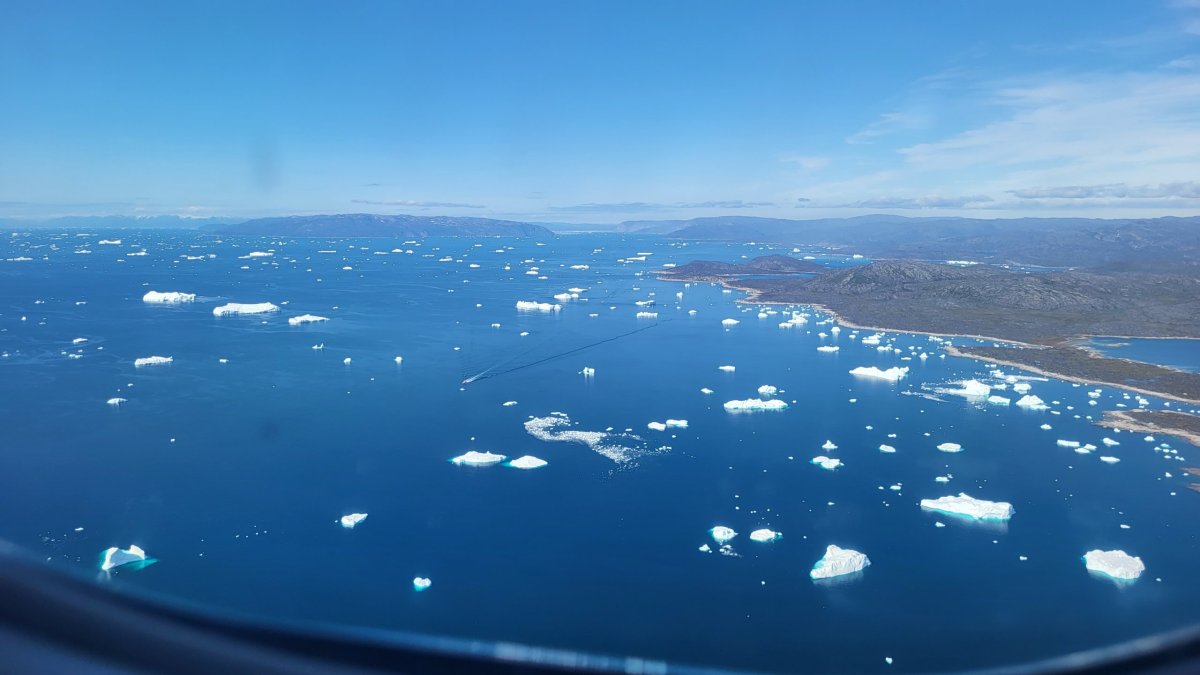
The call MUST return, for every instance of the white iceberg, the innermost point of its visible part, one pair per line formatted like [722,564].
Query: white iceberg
[115,557]
[886,448]
[765,535]
[1067,444]
[1109,459]
[965,505]
[1109,442]
[532,306]
[827,463]
[421,583]
[305,318]
[1031,402]
[998,400]
[476,458]
[657,426]
[234,308]
[1116,564]
[754,404]
[168,297]
[528,462]
[827,348]
[838,561]
[767,390]
[891,374]
[348,521]
[646,315]
[829,445]
[115,401]
[969,389]
[152,361]
[722,534]
[678,424]
[950,447]
[727,369]
[729,322]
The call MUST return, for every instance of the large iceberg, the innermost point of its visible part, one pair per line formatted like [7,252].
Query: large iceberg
[753,404]
[306,318]
[152,361]
[965,505]
[838,561]
[115,557]
[1116,564]
[349,520]
[234,308]
[891,374]
[476,458]
[168,297]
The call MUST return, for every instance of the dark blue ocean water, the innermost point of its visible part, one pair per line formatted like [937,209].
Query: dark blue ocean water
[1182,354]
[233,474]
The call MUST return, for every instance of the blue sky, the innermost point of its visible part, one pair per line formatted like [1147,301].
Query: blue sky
[580,111]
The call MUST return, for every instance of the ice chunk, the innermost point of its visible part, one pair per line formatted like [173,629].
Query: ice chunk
[305,318]
[767,390]
[827,463]
[1109,442]
[829,445]
[115,401]
[727,369]
[1067,444]
[729,322]
[588,371]
[1031,402]
[657,426]
[765,535]
[950,447]
[965,505]
[705,390]
[678,424]
[152,361]
[533,306]
[891,374]
[886,448]
[969,389]
[998,400]
[476,458]
[838,561]
[528,462]
[259,254]
[722,534]
[753,404]
[508,404]
[827,348]
[646,315]
[234,308]
[421,583]
[399,360]
[1116,564]
[115,557]
[349,520]
[168,297]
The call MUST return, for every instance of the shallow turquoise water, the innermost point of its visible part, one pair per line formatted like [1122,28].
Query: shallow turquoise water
[233,474]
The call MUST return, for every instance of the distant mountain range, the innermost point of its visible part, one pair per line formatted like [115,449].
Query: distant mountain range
[115,222]
[372,225]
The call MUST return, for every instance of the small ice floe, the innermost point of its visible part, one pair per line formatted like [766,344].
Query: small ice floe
[533,306]
[765,535]
[829,445]
[646,315]
[837,562]
[476,458]
[705,390]
[349,520]
[964,505]
[319,346]
[116,401]
[892,374]
[657,426]
[152,361]
[727,369]
[346,361]
[886,448]
[677,424]
[827,463]
[729,322]
[421,583]
[998,400]
[1031,402]
[528,462]
[767,390]
[1067,444]
[1109,442]
[1115,564]
[588,371]
[1022,387]
[950,447]
[508,404]
[168,297]
[79,341]
[116,557]
[259,254]
[398,360]
[1109,459]
[827,348]
[1045,427]
[755,404]
[305,318]
[722,534]
[235,308]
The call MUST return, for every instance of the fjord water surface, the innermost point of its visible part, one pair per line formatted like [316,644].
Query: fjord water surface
[233,475]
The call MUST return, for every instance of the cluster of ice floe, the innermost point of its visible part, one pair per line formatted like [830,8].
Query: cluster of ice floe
[619,447]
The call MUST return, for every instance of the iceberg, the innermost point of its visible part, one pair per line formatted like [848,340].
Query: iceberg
[705,390]
[305,318]
[234,308]
[727,369]
[722,534]
[421,583]
[1109,442]
[646,315]
[1109,460]
[838,561]
[767,390]
[588,371]
[729,322]
[350,520]
[115,401]
[969,389]
[152,361]
[528,462]
[678,424]
[532,306]
[168,297]
[950,447]
[1031,402]
[115,557]
[765,535]
[886,448]
[476,458]
[657,426]
[1116,564]
[827,463]
[998,400]
[829,445]
[891,374]
[1067,444]
[753,404]
[965,505]
[827,348]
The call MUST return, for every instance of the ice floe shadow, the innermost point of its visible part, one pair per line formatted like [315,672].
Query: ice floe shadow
[840,580]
